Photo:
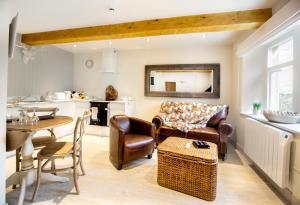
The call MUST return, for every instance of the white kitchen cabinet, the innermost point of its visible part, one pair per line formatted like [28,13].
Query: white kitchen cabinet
[113,108]
[76,109]
[116,108]
[121,108]
[81,107]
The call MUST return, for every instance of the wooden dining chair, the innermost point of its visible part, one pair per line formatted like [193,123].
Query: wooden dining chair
[60,150]
[40,141]
[15,140]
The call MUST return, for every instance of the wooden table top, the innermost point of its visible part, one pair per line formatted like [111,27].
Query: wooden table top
[57,121]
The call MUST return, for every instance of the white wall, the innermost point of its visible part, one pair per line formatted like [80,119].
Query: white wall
[129,80]
[251,80]
[93,81]
[296,36]
[255,83]
[51,70]
[255,79]
[4,19]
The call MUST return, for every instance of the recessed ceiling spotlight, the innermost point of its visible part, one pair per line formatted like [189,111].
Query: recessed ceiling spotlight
[109,43]
[203,35]
[113,4]
[74,45]
[147,40]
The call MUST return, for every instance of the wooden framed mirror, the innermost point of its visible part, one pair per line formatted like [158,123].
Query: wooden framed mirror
[183,80]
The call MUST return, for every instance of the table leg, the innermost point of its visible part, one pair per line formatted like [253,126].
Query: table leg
[27,175]
[22,191]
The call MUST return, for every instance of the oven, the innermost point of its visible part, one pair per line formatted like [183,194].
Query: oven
[100,113]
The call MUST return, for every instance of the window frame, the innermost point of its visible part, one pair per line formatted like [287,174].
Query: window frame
[277,45]
[279,67]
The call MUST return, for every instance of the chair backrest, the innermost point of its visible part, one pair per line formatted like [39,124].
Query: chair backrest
[121,122]
[15,139]
[51,110]
[80,130]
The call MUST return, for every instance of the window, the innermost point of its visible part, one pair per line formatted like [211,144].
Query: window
[280,76]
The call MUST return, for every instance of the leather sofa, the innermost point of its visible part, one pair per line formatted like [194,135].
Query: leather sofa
[216,131]
[130,138]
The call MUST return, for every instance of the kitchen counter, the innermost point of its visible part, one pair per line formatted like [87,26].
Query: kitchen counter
[116,101]
[24,103]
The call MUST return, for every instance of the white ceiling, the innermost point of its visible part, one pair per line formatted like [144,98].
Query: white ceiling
[43,15]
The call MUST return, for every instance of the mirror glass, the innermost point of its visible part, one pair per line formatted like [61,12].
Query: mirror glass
[183,80]
[197,81]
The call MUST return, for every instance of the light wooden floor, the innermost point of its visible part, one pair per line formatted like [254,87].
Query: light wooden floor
[238,184]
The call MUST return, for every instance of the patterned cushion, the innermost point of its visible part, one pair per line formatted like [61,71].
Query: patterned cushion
[187,116]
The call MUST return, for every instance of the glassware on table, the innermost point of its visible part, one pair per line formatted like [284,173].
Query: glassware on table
[8,116]
[14,121]
[23,117]
[34,118]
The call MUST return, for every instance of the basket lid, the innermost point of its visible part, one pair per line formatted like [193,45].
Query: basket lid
[176,146]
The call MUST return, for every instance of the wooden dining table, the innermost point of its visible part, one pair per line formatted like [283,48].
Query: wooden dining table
[27,175]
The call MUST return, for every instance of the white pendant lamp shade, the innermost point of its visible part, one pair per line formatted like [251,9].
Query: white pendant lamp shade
[109,60]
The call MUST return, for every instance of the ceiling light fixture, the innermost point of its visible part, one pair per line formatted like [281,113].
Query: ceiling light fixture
[74,45]
[147,40]
[112,7]
[203,36]
[109,43]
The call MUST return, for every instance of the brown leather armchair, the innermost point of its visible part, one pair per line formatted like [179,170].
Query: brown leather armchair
[130,138]
[217,131]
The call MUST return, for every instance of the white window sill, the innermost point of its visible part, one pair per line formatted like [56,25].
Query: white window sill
[292,128]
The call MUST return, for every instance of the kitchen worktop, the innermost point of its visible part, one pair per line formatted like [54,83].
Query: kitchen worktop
[24,103]
[116,101]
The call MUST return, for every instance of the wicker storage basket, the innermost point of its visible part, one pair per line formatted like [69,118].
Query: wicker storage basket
[188,170]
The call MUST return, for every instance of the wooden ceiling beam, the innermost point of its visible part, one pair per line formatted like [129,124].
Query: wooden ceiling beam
[228,21]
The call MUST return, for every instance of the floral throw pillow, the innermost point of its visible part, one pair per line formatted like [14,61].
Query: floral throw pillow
[187,116]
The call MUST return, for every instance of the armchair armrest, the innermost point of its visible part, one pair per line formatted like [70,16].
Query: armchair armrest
[157,121]
[138,126]
[116,141]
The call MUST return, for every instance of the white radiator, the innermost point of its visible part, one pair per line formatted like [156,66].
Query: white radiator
[269,148]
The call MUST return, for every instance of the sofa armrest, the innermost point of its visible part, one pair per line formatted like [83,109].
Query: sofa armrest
[224,129]
[138,126]
[157,121]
